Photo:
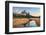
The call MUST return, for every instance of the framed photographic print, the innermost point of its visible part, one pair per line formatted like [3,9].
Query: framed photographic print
[24,17]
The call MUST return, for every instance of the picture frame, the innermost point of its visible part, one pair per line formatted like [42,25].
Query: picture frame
[17,5]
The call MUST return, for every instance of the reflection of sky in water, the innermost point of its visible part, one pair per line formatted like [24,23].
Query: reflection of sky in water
[32,10]
[31,24]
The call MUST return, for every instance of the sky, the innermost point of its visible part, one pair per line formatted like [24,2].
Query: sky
[34,11]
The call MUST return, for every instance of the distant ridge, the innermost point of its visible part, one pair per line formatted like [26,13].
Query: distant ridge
[25,16]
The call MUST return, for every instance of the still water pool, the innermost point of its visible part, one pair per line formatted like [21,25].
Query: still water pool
[31,24]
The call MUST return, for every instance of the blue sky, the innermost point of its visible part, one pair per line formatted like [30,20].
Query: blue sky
[32,10]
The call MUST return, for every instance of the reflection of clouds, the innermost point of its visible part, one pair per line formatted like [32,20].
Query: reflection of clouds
[31,24]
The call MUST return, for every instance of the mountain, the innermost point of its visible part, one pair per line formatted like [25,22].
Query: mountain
[25,16]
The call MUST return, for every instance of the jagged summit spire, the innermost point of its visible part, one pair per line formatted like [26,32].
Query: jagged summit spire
[24,12]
